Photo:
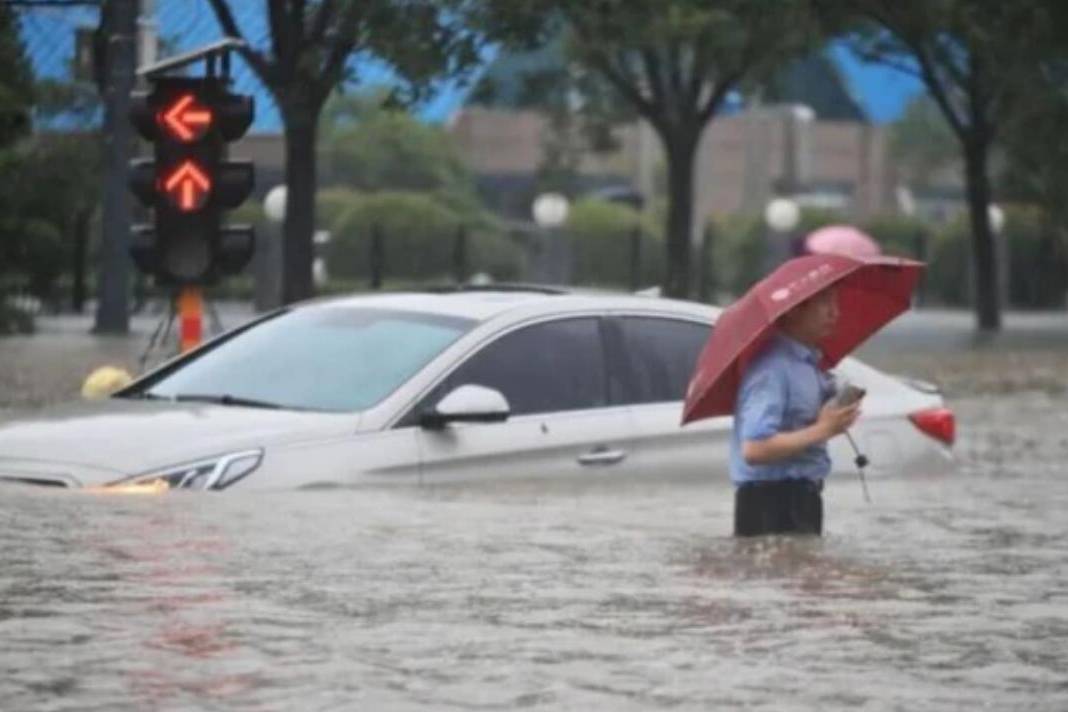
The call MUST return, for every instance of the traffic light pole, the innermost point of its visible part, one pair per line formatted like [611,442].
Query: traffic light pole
[111,313]
[190,317]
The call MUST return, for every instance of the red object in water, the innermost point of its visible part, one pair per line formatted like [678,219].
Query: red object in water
[841,240]
[871,292]
[938,423]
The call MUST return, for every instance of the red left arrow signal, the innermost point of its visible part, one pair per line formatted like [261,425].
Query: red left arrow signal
[188,187]
[185,119]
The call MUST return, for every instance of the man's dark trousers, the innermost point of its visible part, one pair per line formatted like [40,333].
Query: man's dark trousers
[792,506]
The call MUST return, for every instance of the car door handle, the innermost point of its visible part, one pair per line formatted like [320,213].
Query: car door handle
[602,456]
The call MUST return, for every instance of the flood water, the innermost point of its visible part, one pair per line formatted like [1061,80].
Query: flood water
[944,593]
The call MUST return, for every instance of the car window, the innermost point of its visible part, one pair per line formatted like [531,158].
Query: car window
[330,358]
[544,368]
[660,357]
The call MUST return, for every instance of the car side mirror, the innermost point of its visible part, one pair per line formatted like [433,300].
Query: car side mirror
[467,404]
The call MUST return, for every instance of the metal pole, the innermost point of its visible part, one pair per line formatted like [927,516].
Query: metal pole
[921,255]
[705,273]
[378,256]
[191,317]
[459,255]
[120,41]
[635,258]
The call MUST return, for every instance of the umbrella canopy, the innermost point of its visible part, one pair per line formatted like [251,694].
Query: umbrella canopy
[871,292]
[841,240]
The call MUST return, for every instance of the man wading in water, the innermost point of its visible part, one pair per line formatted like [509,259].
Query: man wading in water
[784,417]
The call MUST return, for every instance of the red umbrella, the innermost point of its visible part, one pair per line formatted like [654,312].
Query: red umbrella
[841,240]
[871,292]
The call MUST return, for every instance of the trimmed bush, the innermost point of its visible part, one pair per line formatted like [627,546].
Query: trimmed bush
[1038,273]
[600,233]
[899,235]
[419,239]
[738,251]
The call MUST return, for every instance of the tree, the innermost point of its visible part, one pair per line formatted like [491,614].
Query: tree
[674,62]
[311,46]
[16,81]
[971,56]
[581,109]
[368,146]
[16,99]
[1036,156]
[922,142]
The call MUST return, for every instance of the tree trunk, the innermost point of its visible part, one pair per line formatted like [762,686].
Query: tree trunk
[299,226]
[680,153]
[987,288]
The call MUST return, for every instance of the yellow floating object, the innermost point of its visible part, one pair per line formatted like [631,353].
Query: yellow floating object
[150,487]
[104,381]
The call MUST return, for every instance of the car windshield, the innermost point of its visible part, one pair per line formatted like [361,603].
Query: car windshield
[331,358]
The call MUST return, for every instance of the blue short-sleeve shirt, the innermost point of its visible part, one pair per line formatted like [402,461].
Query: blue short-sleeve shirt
[782,390]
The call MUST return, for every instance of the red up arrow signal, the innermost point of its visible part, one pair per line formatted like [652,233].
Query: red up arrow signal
[186,120]
[188,187]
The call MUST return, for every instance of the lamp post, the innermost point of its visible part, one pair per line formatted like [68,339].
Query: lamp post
[268,262]
[1001,252]
[552,263]
[906,203]
[782,216]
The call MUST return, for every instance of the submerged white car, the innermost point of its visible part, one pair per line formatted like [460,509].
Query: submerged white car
[425,388]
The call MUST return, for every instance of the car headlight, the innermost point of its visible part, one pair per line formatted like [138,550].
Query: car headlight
[216,473]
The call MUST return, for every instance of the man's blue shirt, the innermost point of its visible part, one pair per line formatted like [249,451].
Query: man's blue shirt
[782,390]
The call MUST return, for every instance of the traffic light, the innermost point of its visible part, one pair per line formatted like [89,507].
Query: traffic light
[189,183]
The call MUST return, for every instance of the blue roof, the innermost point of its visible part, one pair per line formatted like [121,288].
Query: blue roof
[883,92]
[49,36]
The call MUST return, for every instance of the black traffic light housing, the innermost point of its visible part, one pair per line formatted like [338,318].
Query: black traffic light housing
[189,183]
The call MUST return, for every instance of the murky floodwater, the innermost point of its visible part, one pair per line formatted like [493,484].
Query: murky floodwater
[943,594]
[947,593]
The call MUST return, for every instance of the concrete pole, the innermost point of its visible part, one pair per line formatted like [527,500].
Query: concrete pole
[112,306]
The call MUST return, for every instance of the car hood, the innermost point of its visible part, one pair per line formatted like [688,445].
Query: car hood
[91,442]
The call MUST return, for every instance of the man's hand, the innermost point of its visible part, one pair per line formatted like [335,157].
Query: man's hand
[835,420]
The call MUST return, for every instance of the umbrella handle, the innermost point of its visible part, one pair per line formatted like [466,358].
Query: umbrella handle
[861,462]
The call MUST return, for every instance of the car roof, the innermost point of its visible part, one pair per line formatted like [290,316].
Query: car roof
[485,303]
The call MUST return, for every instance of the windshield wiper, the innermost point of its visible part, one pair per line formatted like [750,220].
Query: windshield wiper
[143,395]
[224,399]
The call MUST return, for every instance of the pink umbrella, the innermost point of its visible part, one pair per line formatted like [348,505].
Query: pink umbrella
[841,240]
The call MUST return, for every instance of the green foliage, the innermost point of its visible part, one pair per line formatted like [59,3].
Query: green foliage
[419,238]
[1038,271]
[1038,265]
[949,266]
[922,142]
[898,235]
[738,252]
[600,233]
[49,179]
[16,81]
[12,320]
[815,218]
[369,148]
[671,62]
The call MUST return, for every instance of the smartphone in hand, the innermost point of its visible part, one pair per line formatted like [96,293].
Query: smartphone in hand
[849,395]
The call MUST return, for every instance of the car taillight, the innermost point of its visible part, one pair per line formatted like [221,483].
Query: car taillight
[938,423]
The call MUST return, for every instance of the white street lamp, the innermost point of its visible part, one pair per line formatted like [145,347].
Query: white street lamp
[782,214]
[550,210]
[997,217]
[274,205]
